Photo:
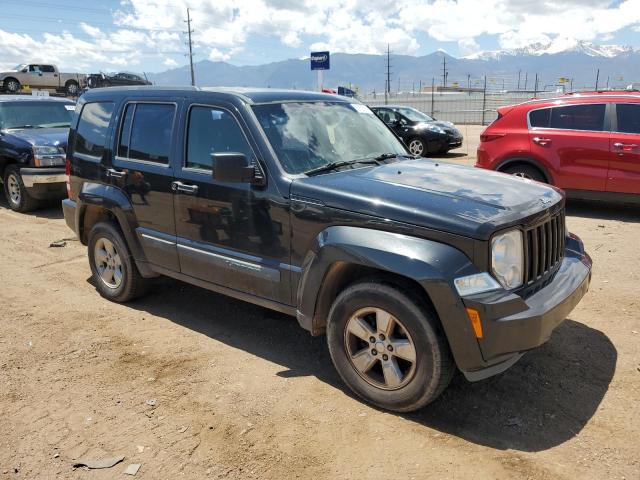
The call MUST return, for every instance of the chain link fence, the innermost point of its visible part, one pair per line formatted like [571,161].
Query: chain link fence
[474,101]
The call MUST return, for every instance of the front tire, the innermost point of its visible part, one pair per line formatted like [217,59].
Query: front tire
[417,146]
[12,85]
[388,348]
[114,272]
[16,193]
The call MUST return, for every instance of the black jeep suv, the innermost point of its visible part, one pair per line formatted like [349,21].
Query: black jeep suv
[308,204]
[33,142]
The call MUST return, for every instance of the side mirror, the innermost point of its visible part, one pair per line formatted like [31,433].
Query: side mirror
[232,167]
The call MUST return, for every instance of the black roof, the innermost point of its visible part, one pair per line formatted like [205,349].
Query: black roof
[392,106]
[249,95]
[32,98]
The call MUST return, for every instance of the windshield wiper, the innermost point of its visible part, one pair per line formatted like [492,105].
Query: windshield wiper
[55,125]
[335,165]
[23,126]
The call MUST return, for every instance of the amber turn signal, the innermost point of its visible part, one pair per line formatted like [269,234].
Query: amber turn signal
[474,316]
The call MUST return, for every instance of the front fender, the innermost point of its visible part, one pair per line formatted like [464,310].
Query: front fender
[431,264]
[115,201]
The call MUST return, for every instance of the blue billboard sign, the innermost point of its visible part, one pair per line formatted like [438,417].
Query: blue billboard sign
[319,60]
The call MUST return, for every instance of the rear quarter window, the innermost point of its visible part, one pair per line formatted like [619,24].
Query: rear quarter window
[539,118]
[93,126]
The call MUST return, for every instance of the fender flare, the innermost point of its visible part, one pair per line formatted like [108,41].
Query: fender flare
[433,265]
[116,202]
[529,161]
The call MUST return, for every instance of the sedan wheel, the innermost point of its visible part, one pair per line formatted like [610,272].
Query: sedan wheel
[380,348]
[108,263]
[416,146]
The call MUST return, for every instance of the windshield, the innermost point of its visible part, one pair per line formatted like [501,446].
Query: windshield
[309,135]
[19,67]
[415,115]
[35,114]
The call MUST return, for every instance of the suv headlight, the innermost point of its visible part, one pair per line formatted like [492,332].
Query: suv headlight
[507,258]
[48,156]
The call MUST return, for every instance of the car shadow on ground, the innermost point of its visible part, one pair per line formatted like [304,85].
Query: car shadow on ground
[49,209]
[542,401]
[603,210]
[447,155]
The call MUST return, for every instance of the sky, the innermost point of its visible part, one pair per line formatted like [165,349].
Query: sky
[149,35]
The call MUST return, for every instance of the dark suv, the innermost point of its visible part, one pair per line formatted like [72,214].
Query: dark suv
[308,204]
[33,142]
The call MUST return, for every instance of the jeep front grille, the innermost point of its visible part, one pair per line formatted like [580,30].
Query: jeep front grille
[544,248]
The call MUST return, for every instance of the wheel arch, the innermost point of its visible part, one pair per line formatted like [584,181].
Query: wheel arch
[6,79]
[343,255]
[99,202]
[510,162]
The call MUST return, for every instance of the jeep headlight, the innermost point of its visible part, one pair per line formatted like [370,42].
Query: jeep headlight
[48,156]
[507,259]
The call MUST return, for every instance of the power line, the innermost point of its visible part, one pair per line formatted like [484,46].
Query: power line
[28,18]
[190,54]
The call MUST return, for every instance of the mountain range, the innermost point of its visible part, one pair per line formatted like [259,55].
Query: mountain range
[576,61]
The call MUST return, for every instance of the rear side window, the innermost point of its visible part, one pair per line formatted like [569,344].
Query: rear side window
[146,132]
[628,116]
[47,69]
[540,118]
[92,129]
[579,117]
[213,130]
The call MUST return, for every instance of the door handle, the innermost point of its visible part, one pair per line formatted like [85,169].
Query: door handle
[543,142]
[624,146]
[184,188]
[116,173]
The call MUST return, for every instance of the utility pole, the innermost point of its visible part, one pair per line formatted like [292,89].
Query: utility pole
[468,84]
[387,88]
[444,70]
[597,78]
[526,77]
[519,71]
[433,89]
[535,89]
[189,32]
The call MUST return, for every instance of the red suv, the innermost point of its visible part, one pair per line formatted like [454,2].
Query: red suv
[584,143]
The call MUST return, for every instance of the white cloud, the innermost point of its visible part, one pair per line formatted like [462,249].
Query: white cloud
[145,29]
[170,62]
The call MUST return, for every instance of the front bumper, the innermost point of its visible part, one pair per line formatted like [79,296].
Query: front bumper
[512,324]
[44,183]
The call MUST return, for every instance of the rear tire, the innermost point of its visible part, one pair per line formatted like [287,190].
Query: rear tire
[526,171]
[400,368]
[114,271]
[72,88]
[16,193]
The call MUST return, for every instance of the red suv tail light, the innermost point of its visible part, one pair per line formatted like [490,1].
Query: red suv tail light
[488,137]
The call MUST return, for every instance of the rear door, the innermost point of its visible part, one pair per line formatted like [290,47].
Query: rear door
[573,141]
[231,234]
[624,168]
[145,145]
[49,77]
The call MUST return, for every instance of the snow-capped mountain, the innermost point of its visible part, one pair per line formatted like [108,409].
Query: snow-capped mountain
[558,45]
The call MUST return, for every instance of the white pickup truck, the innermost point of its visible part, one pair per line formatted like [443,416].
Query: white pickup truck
[41,76]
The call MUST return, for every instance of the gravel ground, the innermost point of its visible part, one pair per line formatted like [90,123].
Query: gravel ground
[240,392]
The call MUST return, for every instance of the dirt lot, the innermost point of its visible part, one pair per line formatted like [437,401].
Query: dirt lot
[241,392]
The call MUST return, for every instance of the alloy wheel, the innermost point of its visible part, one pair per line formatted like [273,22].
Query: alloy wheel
[522,175]
[13,188]
[13,86]
[108,263]
[380,348]
[416,147]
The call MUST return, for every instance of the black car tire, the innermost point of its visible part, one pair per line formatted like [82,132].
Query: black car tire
[433,367]
[72,88]
[11,85]
[526,171]
[420,146]
[16,193]
[131,285]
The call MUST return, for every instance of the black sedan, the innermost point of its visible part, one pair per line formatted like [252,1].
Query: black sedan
[119,79]
[420,132]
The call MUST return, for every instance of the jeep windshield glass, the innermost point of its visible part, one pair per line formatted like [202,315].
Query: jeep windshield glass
[307,136]
[36,114]
[415,115]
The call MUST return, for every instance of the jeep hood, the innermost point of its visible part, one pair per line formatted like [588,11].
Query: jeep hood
[41,136]
[433,194]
